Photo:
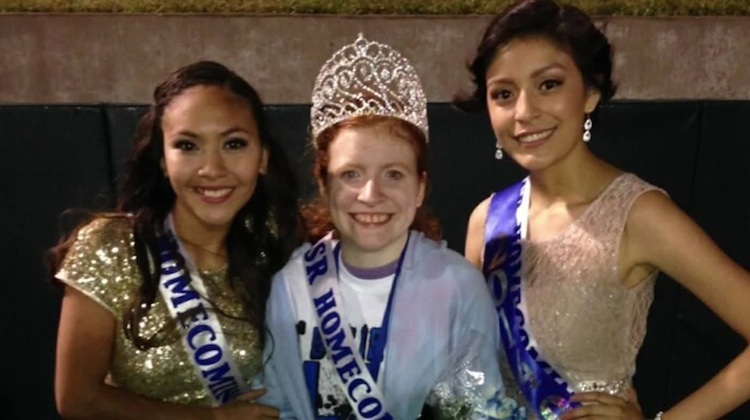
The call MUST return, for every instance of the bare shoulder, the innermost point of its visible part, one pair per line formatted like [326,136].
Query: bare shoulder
[650,207]
[654,224]
[478,216]
[655,220]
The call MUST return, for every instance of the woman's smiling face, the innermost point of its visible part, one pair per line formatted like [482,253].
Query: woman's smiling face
[373,190]
[537,101]
[212,156]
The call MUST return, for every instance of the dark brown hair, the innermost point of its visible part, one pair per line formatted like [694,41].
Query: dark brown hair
[565,25]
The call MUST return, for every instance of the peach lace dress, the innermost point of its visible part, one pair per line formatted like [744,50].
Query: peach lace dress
[586,323]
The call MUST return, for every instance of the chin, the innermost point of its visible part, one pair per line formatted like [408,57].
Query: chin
[215,221]
[368,244]
[532,164]
[379,243]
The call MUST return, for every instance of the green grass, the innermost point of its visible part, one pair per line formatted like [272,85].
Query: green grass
[357,7]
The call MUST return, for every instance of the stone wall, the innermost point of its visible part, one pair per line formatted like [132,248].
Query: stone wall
[92,58]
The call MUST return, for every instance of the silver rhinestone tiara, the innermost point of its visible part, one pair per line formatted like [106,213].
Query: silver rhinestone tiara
[367,78]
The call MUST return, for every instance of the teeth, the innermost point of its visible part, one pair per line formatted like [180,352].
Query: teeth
[214,193]
[529,138]
[371,218]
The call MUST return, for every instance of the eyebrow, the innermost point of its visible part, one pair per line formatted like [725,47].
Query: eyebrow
[226,132]
[535,73]
[549,67]
[360,166]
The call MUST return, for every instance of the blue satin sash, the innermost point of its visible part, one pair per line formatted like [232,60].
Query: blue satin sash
[545,390]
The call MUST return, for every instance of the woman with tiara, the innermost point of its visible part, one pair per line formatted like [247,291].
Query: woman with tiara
[571,252]
[375,319]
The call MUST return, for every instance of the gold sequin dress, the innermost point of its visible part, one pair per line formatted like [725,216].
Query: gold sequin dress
[586,323]
[101,264]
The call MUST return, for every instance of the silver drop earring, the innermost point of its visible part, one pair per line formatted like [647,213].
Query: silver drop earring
[587,129]
[498,151]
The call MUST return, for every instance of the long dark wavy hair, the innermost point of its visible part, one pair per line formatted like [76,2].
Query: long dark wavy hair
[263,233]
[565,25]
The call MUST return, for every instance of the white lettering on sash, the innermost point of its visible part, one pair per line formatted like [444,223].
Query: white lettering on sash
[202,335]
[361,390]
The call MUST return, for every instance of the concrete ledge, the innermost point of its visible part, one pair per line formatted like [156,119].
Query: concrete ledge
[89,58]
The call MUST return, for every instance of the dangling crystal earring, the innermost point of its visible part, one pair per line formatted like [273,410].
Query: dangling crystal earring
[587,129]
[498,151]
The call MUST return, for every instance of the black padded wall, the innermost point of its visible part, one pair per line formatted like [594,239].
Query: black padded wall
[289,125]
[702,343]
[463,170]
[121,122]
[53,159]
[60,157]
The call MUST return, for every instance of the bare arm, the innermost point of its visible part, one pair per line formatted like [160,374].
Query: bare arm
[661,235]
[84,350]
[474,247]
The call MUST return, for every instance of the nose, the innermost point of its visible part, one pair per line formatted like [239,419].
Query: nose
[371,192]
[525,107]
[213,165]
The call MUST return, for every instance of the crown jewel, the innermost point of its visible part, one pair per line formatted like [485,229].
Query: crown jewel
[367,78]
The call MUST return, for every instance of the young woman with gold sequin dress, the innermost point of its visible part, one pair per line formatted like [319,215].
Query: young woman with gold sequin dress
[164,303]
[572,251]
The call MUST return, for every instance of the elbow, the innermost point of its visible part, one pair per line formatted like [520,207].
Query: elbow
[67,408]
[74,403]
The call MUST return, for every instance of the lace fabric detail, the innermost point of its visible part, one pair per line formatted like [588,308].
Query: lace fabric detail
[586,323]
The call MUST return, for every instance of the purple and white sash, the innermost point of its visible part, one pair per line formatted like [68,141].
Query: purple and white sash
[507,218]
